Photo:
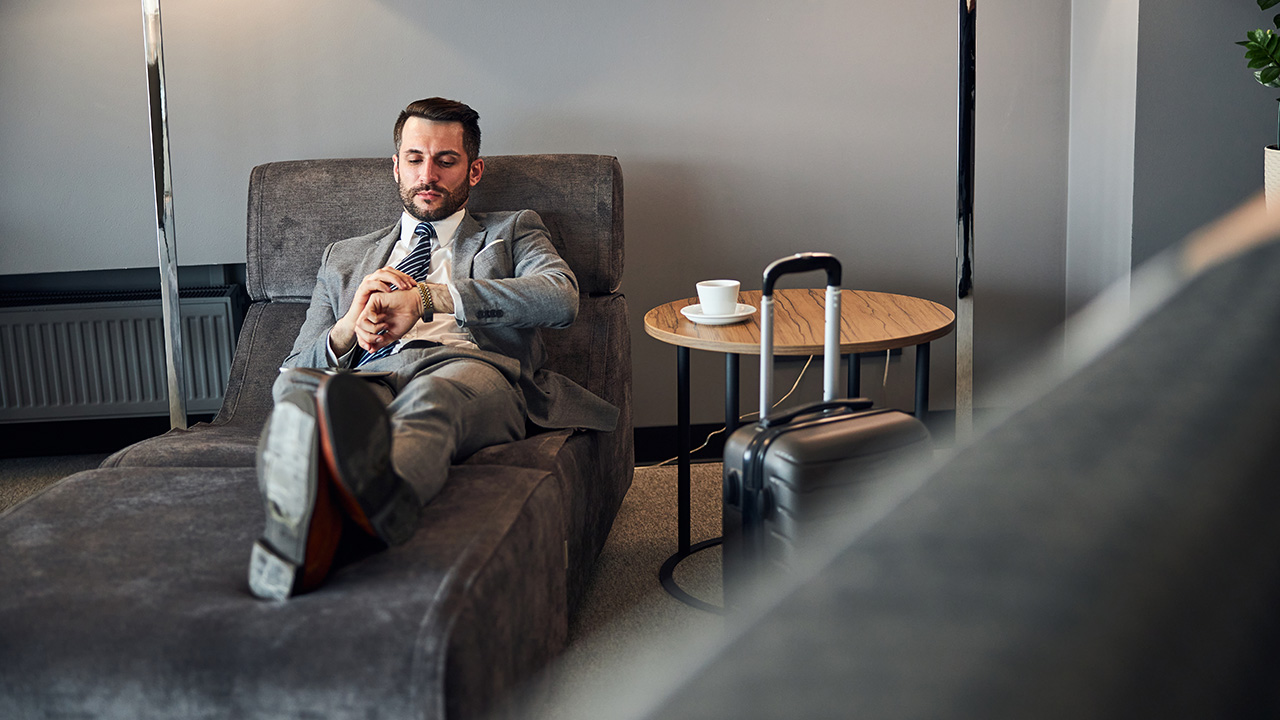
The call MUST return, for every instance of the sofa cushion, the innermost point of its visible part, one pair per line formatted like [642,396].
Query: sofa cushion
[125,595]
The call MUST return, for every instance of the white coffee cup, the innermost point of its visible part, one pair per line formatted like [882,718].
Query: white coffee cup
[718,297]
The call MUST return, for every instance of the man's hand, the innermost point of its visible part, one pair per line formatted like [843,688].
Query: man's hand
[343,336]
[387,317]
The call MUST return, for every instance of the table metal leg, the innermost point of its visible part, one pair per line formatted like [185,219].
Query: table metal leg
[855,375]
[922,380]
[731,392]
[684,443]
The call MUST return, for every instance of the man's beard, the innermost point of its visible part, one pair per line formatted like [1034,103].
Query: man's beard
[450,201]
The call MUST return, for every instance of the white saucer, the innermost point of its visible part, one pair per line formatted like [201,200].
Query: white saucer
[694,313]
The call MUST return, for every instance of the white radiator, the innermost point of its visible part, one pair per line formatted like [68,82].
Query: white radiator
[102,355]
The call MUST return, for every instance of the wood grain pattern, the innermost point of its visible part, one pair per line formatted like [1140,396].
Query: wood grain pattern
[869,321]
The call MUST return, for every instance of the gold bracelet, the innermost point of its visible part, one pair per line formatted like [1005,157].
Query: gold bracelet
[428,306]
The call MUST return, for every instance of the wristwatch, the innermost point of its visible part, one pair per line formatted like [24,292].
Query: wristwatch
[428,306]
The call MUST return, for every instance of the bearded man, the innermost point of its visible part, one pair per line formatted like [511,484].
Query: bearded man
[420,347]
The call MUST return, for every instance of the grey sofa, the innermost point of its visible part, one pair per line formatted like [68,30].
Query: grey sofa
[125,591]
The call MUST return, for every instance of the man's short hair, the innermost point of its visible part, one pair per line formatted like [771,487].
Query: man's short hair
[439,109]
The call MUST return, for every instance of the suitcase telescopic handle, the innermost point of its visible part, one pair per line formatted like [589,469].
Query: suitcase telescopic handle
[801,262]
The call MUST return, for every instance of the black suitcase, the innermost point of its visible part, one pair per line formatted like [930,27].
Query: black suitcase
[791,477]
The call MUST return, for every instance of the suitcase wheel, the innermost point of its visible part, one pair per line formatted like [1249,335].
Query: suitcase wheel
[765,503]
[732,488]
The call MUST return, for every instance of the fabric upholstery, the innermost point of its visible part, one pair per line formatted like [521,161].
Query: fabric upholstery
[594,469]
[125,596]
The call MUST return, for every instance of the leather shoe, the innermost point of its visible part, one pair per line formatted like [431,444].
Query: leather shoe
[355,448]
[303,523]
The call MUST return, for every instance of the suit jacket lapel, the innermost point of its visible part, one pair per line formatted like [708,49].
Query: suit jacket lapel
[381,252]
[470,240]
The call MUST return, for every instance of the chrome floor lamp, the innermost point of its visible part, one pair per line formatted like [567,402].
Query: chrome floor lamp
[170,308]
[964,220]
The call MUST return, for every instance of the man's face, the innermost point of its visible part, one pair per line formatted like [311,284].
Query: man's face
[432,169]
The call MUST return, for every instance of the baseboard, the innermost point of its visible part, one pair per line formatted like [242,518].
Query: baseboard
[656,444]
[80,437]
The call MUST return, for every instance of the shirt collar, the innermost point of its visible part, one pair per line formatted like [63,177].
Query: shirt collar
[446,229]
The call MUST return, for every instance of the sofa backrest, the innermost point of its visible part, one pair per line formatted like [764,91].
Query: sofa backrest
[296,208]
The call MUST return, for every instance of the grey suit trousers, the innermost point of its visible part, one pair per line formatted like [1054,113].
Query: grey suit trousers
[442,414]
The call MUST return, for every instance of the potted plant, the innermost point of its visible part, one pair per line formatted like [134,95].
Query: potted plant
[1262,50]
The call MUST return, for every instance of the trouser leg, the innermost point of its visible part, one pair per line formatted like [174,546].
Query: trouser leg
[447,413]
[296,379]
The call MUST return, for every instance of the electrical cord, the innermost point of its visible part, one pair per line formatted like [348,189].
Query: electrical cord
[714,433]
[796,384]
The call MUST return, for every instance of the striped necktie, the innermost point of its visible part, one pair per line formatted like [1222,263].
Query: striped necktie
[417,265]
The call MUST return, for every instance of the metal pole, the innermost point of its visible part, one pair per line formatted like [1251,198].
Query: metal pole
[168,248]
[831,345]
[964,220]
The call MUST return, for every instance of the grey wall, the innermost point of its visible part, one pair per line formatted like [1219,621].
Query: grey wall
[1104,78]
[1202,119]
[746,130]
[75,187]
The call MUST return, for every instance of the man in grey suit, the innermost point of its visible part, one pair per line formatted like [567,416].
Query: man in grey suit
[438,315]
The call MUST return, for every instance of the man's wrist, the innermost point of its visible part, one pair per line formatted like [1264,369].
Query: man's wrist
[441,298]
[341,339]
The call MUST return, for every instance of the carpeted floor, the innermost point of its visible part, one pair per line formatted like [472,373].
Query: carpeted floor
[21,478]
[624,590]
[625,605]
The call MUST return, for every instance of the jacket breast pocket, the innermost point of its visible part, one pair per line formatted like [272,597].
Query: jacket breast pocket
[493,261]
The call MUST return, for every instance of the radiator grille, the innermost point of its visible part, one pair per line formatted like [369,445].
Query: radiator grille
[105,359]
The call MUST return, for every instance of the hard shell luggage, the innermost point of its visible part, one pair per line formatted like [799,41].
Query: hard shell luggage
[791,476]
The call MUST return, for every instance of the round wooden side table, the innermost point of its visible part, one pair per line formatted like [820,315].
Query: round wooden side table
[869,322]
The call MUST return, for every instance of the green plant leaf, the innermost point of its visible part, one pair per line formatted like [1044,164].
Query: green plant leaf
[1267,4]
[1262,51]
[1276,20]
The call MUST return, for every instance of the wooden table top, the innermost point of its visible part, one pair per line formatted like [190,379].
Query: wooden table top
[869,321]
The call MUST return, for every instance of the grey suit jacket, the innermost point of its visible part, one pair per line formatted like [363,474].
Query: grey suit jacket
[511,281]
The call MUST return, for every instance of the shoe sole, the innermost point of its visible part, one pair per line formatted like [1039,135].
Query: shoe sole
[288,477]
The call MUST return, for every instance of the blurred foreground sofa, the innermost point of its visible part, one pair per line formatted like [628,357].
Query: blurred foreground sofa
[1111,550]
[124,591]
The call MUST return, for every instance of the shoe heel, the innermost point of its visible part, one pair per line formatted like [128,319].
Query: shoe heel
[271,577]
